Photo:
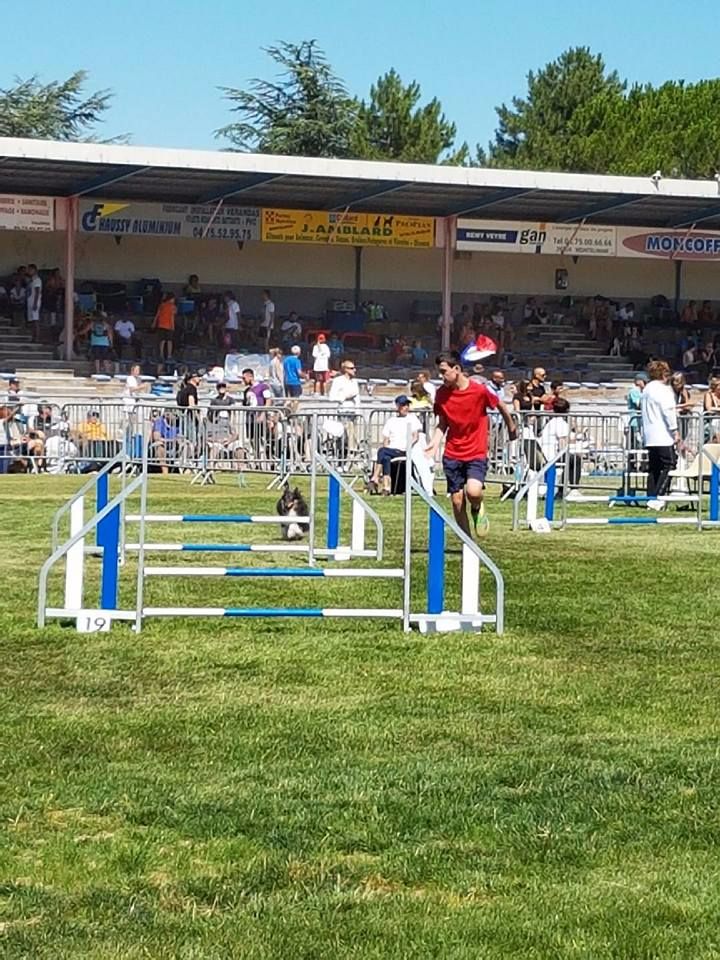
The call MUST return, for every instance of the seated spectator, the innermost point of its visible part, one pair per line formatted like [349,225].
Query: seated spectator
[13,391]
[126,339]
[293,373]
[711,407]
[419,399]
[291,327]
[399,351]
[626,314]
[165,435]
[394,443]
[689,316]
[11,439]
[682,394]
[192,290]
[337,349]
[93,437]
[705,314]
[61,454]
[419,354]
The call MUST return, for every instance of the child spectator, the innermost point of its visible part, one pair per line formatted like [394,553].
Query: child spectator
[292,370]
[321,364]
[419,354]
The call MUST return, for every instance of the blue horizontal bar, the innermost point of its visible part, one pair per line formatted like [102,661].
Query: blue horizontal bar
[629,498]
[633,520]
[216,518]
[217,547]
[274,572]
[273,612]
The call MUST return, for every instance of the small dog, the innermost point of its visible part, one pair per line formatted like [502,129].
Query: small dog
[292,504]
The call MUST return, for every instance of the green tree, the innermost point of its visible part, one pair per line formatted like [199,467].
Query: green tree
[546,129]
[52,111]
[391,126]
[306,111]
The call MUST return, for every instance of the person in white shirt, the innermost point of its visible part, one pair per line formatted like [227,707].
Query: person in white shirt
[268,321]
[394,445]
[321,364]
[232,322]
[556,431]
[660,430]
[344,389]
[428,386]
[124,334]
[132,389]
[34,300]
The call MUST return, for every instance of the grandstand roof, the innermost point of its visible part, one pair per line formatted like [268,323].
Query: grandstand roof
[58,169]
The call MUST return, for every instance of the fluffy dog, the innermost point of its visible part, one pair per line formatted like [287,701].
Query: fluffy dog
[292,504]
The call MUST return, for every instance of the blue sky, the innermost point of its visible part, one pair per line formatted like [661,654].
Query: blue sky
[165,59]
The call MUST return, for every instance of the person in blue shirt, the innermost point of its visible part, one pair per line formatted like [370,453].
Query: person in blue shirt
[292,369]
[336,348]
[419,354]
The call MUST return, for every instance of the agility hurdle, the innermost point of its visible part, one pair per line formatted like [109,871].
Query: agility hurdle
[435,618]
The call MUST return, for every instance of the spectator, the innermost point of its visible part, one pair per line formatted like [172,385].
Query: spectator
[496,384]
[192,290]
[626,314]
[11,437]
[210,320]
[660,431]
[292,372]
[164,323]
[93,437]
[291,327]
[133,388]
[13,390]
[267,324]
[683,404]
[61,453]
[232,319]
[711,408]
[705,316]
[336,347]
[126,340]
[321,364]
[689,317]
[165,435]
[537,387]
[419,399]
[101,335]
[254,394]
[556,389]
[394,443]
[34,300]
[419,354]
[556,430]
[18,300]
[223,397]
[277,372]
[344,388]
[53,296]
[428,386]
[187,395]
[530,311]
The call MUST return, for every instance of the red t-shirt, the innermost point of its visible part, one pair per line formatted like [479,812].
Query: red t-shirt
[465,412]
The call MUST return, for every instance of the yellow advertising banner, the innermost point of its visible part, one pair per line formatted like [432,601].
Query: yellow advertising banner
[351,229]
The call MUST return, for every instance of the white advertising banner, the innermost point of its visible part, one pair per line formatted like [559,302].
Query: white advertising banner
[27,213]
[661,244]
[572,239]
[187,221]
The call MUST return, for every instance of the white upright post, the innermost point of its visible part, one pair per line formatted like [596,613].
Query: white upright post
[470,602]
[75,559]
[71,208]
[357,537]
[447,281]
[532,500]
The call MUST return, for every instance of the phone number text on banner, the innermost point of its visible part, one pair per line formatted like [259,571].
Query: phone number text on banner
[187,221]
[27,213]
[533,237]
[353,229]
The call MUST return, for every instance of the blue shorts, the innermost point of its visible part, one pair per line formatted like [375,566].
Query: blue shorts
[458,472]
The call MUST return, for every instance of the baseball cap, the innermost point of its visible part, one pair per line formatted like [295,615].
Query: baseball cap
[641,376]
[402,400]
[221,384]
[321,338]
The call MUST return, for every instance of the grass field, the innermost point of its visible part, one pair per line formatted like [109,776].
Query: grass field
[303,789]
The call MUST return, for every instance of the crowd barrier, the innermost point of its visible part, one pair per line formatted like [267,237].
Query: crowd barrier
[276,440]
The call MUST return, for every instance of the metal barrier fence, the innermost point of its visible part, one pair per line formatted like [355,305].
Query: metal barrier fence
[80,437]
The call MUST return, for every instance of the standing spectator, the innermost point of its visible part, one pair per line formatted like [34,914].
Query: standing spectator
[254,394]
[187,395]
[277,372]
[711,407]
[337,349]
[53,296]
[34,300]
[13,390]
[267,324]
[537,387]
[522,401]
[660,431]
[292,373]
[18,300]
[496,384]
[164,323]
[101,334]
[689,316]
[556,430]
[133,388]
[683,404]
[321,364]
[232,319]
[344,388]
[125,338]
[556,389]
[462,410]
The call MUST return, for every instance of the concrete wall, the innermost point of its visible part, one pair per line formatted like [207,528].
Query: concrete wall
[304,278]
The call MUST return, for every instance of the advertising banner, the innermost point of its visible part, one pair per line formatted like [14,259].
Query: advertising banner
[668,244]
[352,229]
[187,221]
[27,213]
[532,237]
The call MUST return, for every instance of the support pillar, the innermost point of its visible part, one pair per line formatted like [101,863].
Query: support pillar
[358,276]
[448,257]
[678,284]
[71,210]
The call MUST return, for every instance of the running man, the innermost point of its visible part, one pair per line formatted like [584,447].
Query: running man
[461,406]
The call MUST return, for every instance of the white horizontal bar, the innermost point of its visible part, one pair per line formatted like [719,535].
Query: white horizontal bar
[472,620]
[188,570]
[367,572]
[79,612]
[154,517]
[361,614]
[184,611]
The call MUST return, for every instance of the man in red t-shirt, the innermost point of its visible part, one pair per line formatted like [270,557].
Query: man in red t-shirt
[461,406]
